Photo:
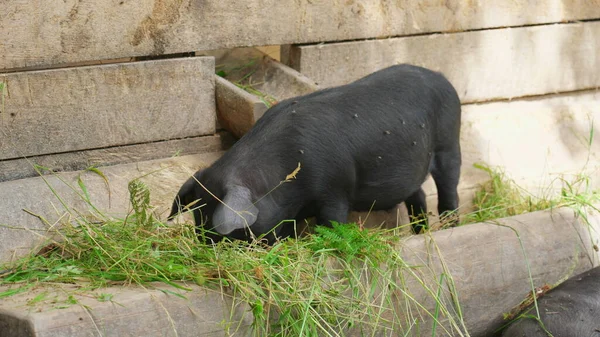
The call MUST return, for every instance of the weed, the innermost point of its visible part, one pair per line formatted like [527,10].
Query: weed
[501,197]
[104,297]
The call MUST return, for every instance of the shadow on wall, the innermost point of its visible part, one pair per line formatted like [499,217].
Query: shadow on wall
[535,141]
[576,130]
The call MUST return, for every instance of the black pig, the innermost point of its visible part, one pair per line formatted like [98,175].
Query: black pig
[572,309]
[373,141]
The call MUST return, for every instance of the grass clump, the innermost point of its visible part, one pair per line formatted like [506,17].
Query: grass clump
[241,76]
[501,197]
[325,284]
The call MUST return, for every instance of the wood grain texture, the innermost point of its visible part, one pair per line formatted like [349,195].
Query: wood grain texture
[80,160]
[136,311]
[482,65]
[19,231]
[488,264]
[52,33]
[73,109]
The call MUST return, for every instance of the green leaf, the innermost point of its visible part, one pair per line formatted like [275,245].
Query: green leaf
[83,188]
[104,297]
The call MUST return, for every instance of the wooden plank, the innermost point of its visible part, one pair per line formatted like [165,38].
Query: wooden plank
[482,65]
[486,264]
[19,231]
[80,160]
[238,109]
[536,140]
[156,310]
[56,111]
[44,34]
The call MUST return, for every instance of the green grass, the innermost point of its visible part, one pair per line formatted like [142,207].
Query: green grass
[325,284]
[241,76]
[321,285]
[501,197]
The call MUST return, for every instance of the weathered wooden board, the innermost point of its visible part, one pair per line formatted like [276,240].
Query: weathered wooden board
[153,311]
[237,109]
[488,263]
[55,111]
[20,231]
[482,65]
[79,160]
[58,32]
[536,140]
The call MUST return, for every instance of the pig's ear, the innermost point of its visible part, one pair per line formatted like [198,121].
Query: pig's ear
[186,194]
[237,212]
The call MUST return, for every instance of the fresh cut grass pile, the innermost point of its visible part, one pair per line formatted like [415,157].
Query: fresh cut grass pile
[333,281]
[330,282]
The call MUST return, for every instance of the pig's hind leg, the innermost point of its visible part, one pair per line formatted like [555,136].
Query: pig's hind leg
[446,173]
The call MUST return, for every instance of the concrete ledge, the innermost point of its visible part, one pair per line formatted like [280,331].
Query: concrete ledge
[80,160]
[485,262]
[65,32]
[55,111]
[482,65]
